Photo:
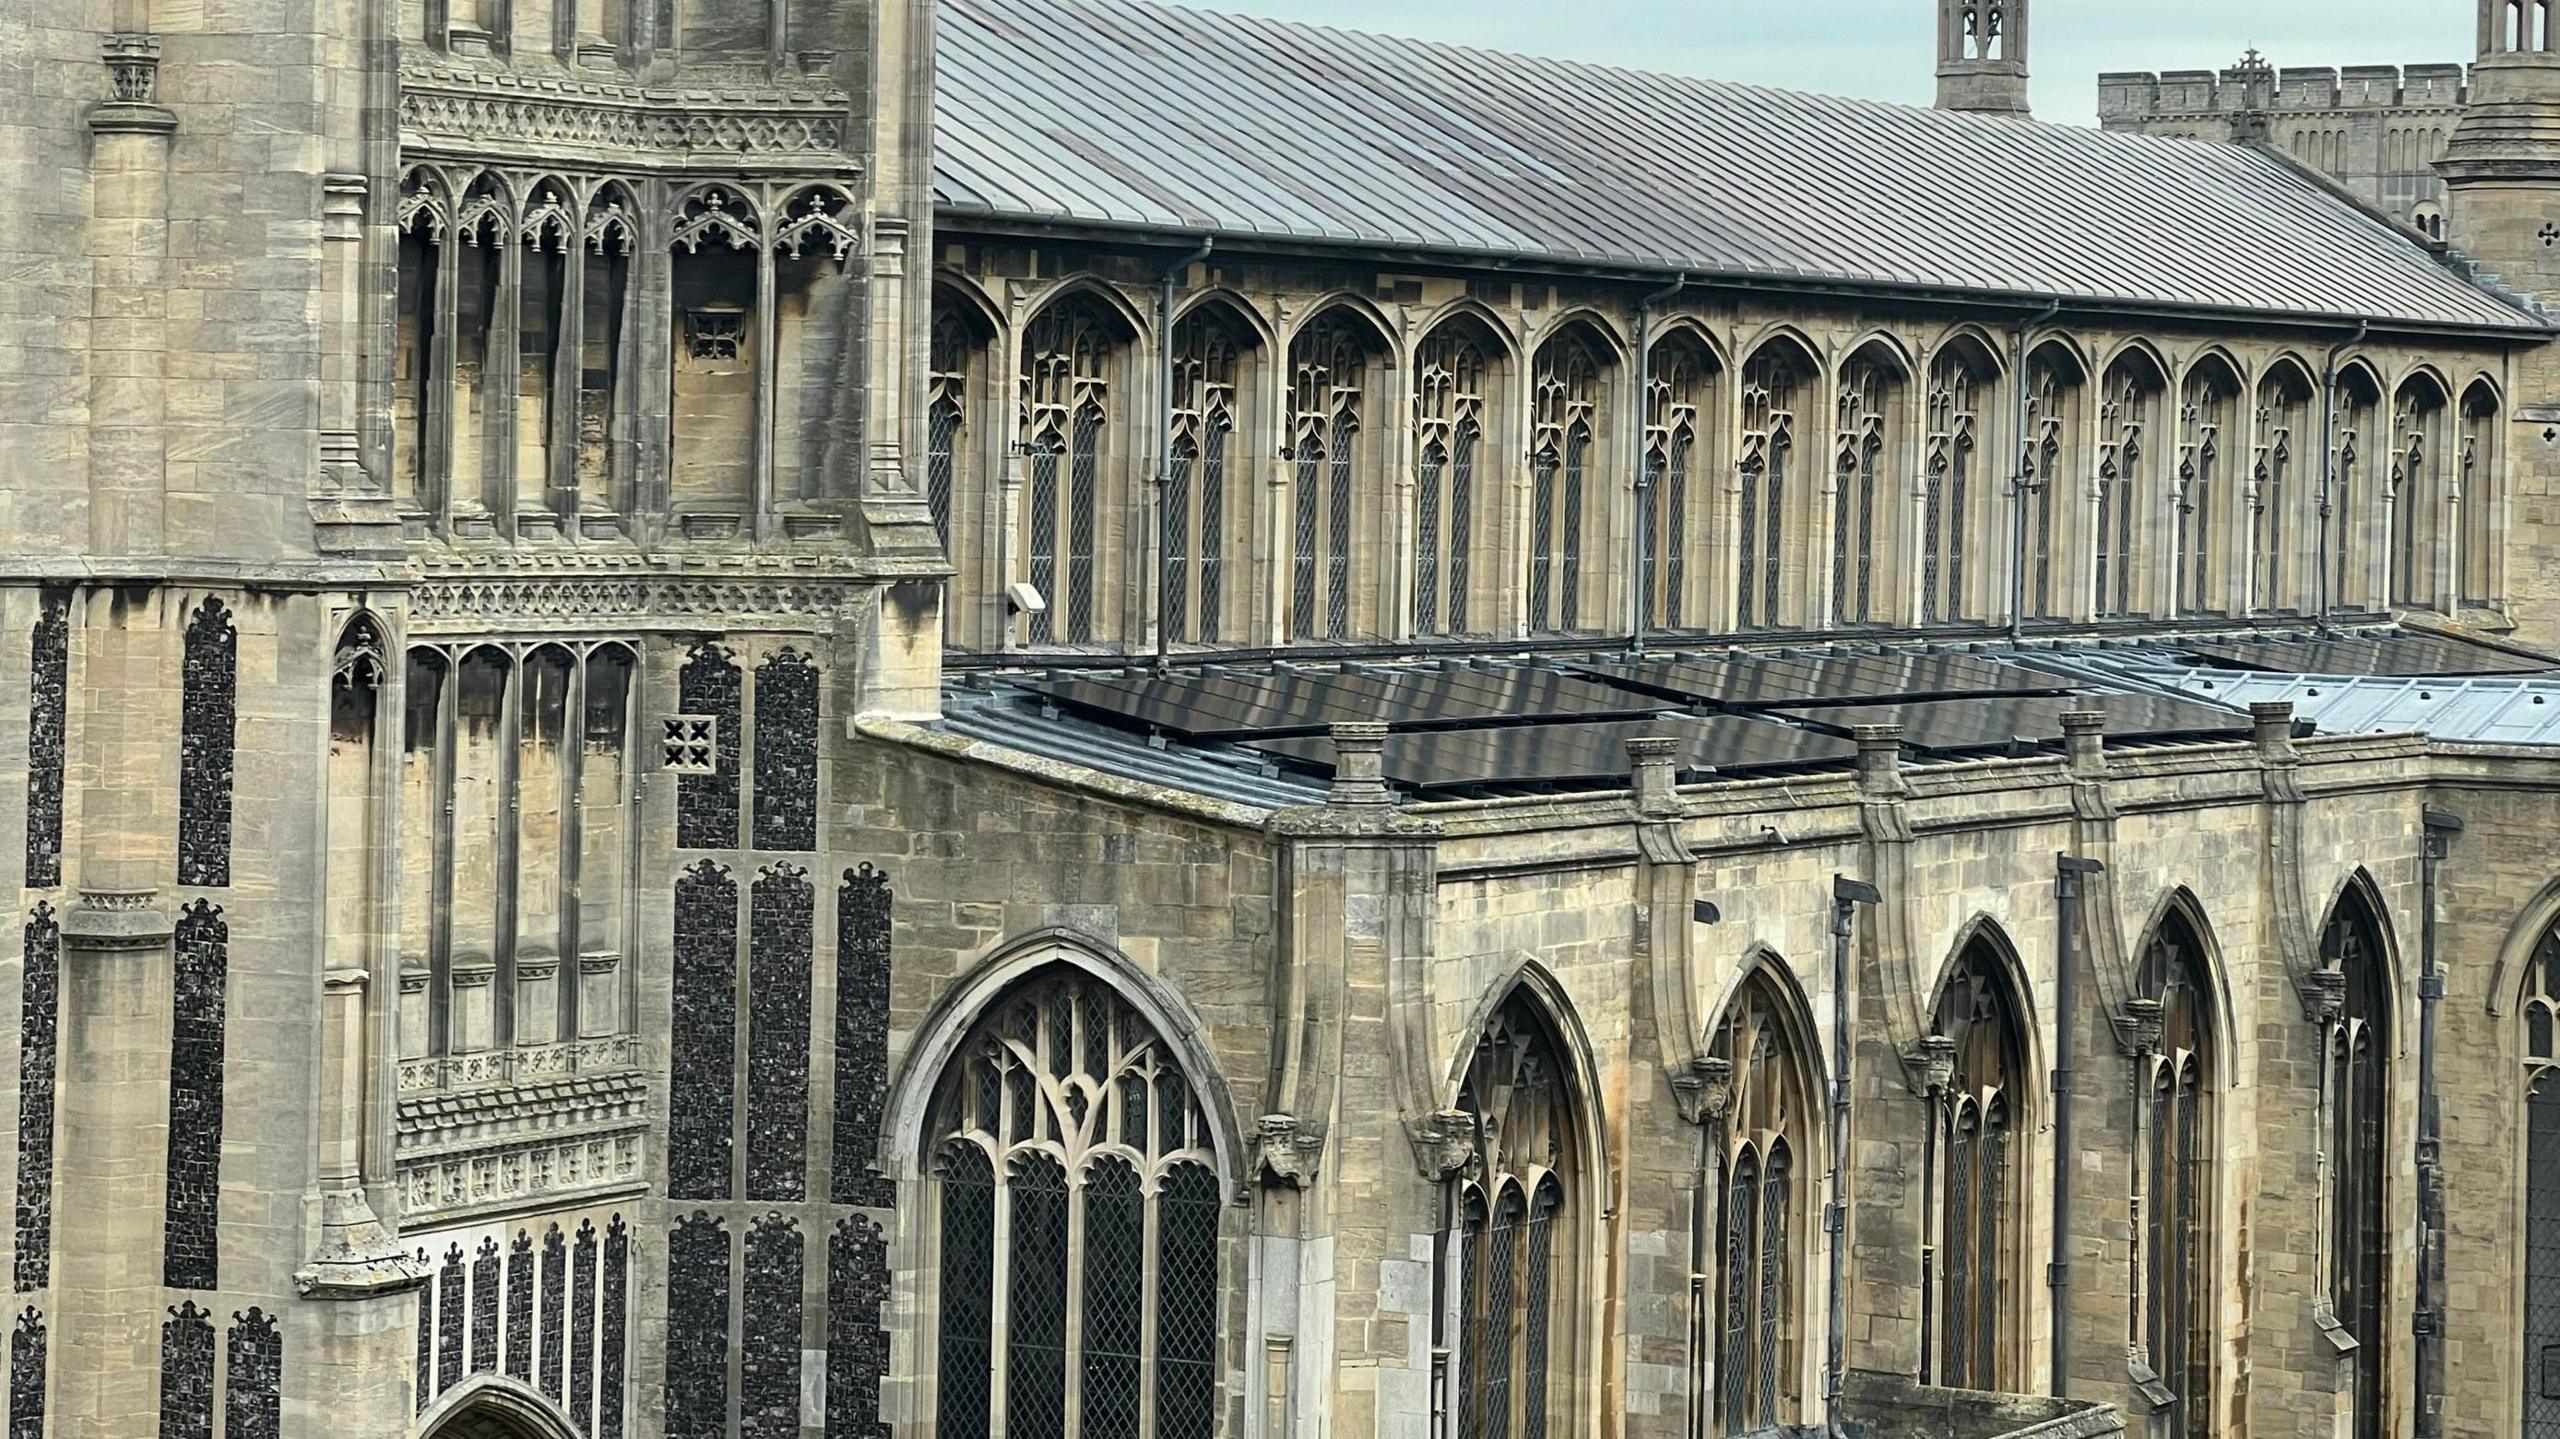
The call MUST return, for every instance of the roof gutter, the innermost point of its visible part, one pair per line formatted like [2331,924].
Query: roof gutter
[2530,329]
[2329,461]
[1166,579]
[1640,538]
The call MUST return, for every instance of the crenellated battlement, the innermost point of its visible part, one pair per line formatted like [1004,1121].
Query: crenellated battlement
[2131,97]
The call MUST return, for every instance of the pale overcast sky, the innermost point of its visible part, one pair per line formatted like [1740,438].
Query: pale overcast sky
[1881,49]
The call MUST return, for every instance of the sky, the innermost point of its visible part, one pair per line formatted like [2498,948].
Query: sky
[1883,49]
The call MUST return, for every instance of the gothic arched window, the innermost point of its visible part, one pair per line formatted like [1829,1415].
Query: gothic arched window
[2176,1190]
[2359,1051]
[1516,1212]
[2052,447]
[1773,391]
[1871,386]
[2352,503]
[1981,1116]
[2417,492]
[1681,381]
[2540,1015]
[2284,415]
[1451,396]
[1762,1230]
[1956,393]
[1329,365]
[2128,431]
[1077,1225]
[946,415]
[1569,504]
[2476,565]
[1066,408]
[2207,406]
[1207,361]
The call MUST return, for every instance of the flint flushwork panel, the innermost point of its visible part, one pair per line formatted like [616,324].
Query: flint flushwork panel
[186,1374]
[39,1019]
[704,1044]
[425,1383]
[449,1300]
[555,1311]
[253,1396]
[26,1376]
[769,1349]
[862,1036]
[582,1324]
[208,709]
[698,1329]
[778,1035]
[857,1349]
[191,1242]
[48,720]
[617,1307]
[786,752]
[520,1284]
[707,804]
[484,1309]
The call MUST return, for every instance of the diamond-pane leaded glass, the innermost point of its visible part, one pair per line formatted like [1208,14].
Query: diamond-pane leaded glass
[1177,538]
[1086,517]
[1536,1312]
[941,460]
[1098,1315]
[1577,455]
[1043,625]
[1066,360]
[1302,555]
[1977,1203]
[1213,526]
[1542,542]
[1515,1264]
[2351,943]
[1449,409]
[1755,1285]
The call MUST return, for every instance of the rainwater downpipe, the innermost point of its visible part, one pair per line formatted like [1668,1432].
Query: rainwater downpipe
[1641,587]
[2026,470]
[2427,1325]
[1166,579]
[2329,460]
[2067,870]
[1846,895]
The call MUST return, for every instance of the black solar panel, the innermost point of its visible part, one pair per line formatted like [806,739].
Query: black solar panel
[1567,754]
[2397,654]
[1948,727]
[1767,681]
[1232,706]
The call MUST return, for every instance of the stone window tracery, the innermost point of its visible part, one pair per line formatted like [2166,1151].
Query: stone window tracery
[2208,407]
[1207,368]
[1761,1225]
[2175,1199]
[1670,516]
[1870,394]
[1773,386]
[2353,511]
[1078,1222]
[2477,496]
[2419,485]
[1329,366]
[946,415]
[2358,1045]
[1450,400]
[2128,419]
[2539,1018]
[2284,403]
[2050,456]
[1568,504]
[1974,1142]
[1066,394]
[1514,1205]
[1947,497]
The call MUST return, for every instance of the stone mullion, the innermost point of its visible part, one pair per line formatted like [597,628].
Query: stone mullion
[1073,1303]
[510,841]
[568,371]
[1397,435]
[1254,464]
[652,334]
[1002,512]
[761,497]
[500,377]
[437,392]
[1150,1291]
[999,1301]
[566,1027]
[440,996]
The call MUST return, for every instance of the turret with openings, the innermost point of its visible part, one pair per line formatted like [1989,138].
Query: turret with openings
[1982,57]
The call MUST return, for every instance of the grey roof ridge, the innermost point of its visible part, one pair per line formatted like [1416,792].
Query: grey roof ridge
[2455,262]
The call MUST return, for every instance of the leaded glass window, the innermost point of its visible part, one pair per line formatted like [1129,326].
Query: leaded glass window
[1066,374]
[1679,385]
[2207,407]
[2418,485]
[1762,1216]
[946,417]
[1562,491]
[1773,387]
[2359,1047]
[2478,493]
[1078,1226]
[1515,1212]
[2174,1193]
[1329,364]
[2284,404]
[1869,390]
[2128,418]
[1450,398]
[2051,451]
[2352,504]
[1206,364]
[2539,1014]
[1955,438]
[1978,1210]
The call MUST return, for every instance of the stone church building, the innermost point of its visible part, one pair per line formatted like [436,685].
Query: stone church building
[1069,719]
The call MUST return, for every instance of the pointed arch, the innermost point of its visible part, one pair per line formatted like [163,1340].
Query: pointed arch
[1599,329]
[960,434]
[2530,969]
[2054,448]
[1240,311]
[1460,384]
[1868,441]
[1781,422]
[2479,465]
[2141,356]
[2212,439]
[1336,307]
[1339,376]
[1574,382]
[1077,344]
[2355,946]
[1129,322]
[1682,430]
[1958,476]
[2058,348]
[1691,330]
[2511,972]
[2357,503]
[2176,1140]
[1758,1238]
[2282,509]
[1217,351]
[493,1406]
[954,288]
[1501,341]
[1982,1117]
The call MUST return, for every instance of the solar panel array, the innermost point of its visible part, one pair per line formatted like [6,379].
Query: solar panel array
[2398,653]
[1432,762]
[1952,728]
[1234,705]
[1746,682]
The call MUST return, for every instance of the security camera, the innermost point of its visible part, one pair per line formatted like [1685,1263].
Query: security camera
[1023,598]
[1776,835]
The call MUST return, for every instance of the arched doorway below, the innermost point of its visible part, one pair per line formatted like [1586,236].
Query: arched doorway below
[494,1408]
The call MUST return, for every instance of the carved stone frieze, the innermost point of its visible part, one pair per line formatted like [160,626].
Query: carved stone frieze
[507,1147]
[441,606]
[469,112]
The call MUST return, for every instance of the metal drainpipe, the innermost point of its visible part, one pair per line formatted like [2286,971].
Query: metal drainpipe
[1642,584]
[2067,870]
[1166,579]
[2329,458]
[2427,1324]
[2026,471]
[1846,895]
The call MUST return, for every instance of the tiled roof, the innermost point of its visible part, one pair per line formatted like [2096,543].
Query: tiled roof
[1132,114]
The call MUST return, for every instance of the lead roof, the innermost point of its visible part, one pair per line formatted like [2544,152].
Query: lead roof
[1129,114]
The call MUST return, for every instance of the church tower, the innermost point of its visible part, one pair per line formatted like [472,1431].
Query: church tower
[1982,57]
[2503,166]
